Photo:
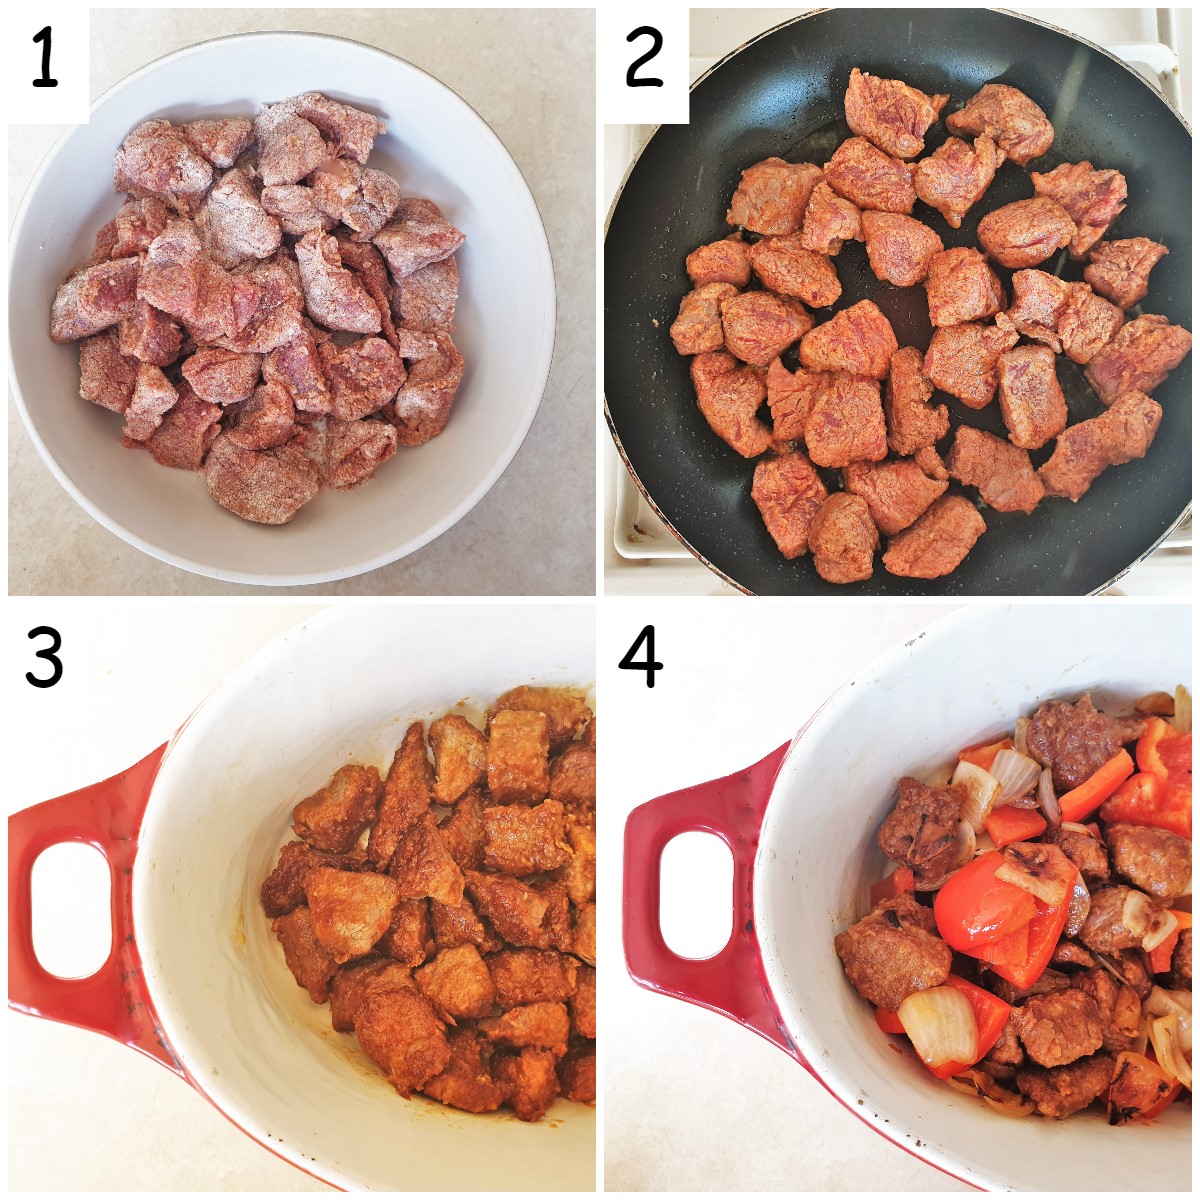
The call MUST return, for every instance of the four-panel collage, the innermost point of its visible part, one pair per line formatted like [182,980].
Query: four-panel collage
[393,388]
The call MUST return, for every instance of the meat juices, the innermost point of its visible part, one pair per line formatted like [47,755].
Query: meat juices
[772,196]
[1001,471]
[955,176]
[1138,358]
[212,358]
[1120,271]
[859,339]
[937,542]
[961,286]
[1008,116]
[1093,199]
[890,113]
[899,248]
[869,178]
[843,539]
[1031,400]
[1025,233]
[961,359]
[788,492]
[1120,434]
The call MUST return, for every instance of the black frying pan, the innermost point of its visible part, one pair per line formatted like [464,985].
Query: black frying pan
[782,94]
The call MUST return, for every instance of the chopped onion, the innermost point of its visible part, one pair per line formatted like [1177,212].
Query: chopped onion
[984,844]
[1155,704]
[966,852]
[1022,733]
[1075,827]
[1136,913]
[981,788]
[1183,709]
[1166,1040]
[979,1083]
[1162,924]
[1047,800]
[1165,1002]
[1042,870]
[1138,1084]
[940,1023]
[1077,910]
[1015,774]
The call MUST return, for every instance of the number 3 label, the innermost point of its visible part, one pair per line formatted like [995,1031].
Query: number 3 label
[50,654]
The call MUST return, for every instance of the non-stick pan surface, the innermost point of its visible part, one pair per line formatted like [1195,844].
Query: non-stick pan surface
[782,95]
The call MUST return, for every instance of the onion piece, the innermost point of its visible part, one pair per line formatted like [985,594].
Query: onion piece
[966,852]
[1041,869]
[940,1023]
[981,788]
[1183,710]
[1136,914]
[1020,744]
[1077,910]
[984,844]
[1166,1040]
[1138,1084]
[1047,800]
[1015,773]
[1075,827]
[979,1083]
[1162,924]
[1167,1002]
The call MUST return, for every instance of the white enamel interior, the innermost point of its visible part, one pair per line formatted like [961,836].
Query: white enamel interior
[967,677]
[341,687]
[436,146]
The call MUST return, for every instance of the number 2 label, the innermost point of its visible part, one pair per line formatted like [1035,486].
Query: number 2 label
[656,43]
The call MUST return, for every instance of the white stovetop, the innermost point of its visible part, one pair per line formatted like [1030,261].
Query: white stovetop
[652,562]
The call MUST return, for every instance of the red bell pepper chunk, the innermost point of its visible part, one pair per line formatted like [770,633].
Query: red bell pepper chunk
[991,1015]
[1009,824]
[900,880]
[888,1021]
[1147,799]
[1082,801]
[973,908]
[984,756]
[1023,956]
[1160,956]
[1149,760]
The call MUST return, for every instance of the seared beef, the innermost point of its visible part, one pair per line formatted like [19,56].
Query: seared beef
[788,492]
[1001,471]
[1031,400]
[830,220]
[1086,852]
[921,832]
[899,248]
[1181,961]
[961,359]
[1087,323]
[1059,1027]
[1154,860]
[726,261]
[893,952]
[890,113]
[729,396]
[869,178]
[845,423]
[913,424]
[843,539]
[772,196]
[1104,931]
[955,176]
[1075,741]
[1094,199]
[697,329]
[1138,358]
[897,493]
[759,326]
[786,267]
[1120,271]
[936,544]
[859,339]
[1008,116]
[1062,1091]
[961,286]
[1026,232]
[791,395]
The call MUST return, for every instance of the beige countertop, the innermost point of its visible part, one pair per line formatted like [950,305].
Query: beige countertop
[534,533]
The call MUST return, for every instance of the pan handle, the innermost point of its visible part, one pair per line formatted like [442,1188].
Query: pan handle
[732,982]
[114,1000]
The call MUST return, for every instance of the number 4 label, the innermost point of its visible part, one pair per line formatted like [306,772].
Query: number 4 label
[643,64]
[643,641]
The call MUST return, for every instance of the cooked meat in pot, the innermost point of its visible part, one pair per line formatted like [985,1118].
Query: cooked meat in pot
[1074,740]
[1153,860]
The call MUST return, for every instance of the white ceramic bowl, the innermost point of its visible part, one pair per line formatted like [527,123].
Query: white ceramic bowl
[436,146]
[815,858]
[223,1008]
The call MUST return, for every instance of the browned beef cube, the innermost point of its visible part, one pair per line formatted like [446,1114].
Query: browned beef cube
[579,874]
[961,359]
[456,925]
[1105,930]
[697,328]
[871,179]
[729,395]
[1062,1091]
[788,491]
[584,933]
[921,831]
[1001,471]
[309,961]
[961,286]
[1075,741]
[515,910]
[422,865]
[1093,199]
[1087,323]
[1026,232]
[843,539]
[357,982]
[577,1073]
[1181,961]
[890,113]
[1031,400]
[1155,861]
[457,983]
[1138,358]
[462,832]
[406,796]
[830,220]
[334,817]
[759,326]
[283,889]
[518,750]
[466,1082]
[408,939]
[403,1036]
[1038,303]
[1086,852]
[954,177]
[787,268]
[566,712]
[583,1004]
[772,196]
[897,493]
[912,422]
[527,976]
[1120,271]
[846,423]
[349,911]
[459,757]
[791,395]
[1059,1027]
[1008,116]
[937,542]
[893,952]
[520,840]
[859,340]
[899,248]
[544,1026]
[573,778]
[726,261]
[528,1080]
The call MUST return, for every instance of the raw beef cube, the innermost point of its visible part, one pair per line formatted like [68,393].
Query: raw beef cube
[459,757]
[788,492]
[93,299]
[222,142]
[772,196]
[726,261]
[311,964]
[295,206]
[759,326]
[843,539]
[150,336]
[334,816]
[104,245]
[353,450]
[268,486]
[890,113]
[297,366]
[912,423]
[422,405]
[426,299]
[938,542]
[457,983]
[156,158]
[846,423]
[222,376]
[1001,471]
[1031,401]
[153,396]
[517,756]
[871,179]
[1139,358]
[233,225]
[138,223]
[417,236]
[277,314]
[362,376]
[897,493]
[351,130]
[367,263]
[830,220]
[406,796]
[859,340]
[289,147]
[361,198]
[187,431]
[106,376]
[961,359]
[399,1031]
[267,419]
[336,296]
[955,176]
[349,910]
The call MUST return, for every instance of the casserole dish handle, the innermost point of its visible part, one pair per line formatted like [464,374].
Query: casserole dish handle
[114,1000]
[732,982]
